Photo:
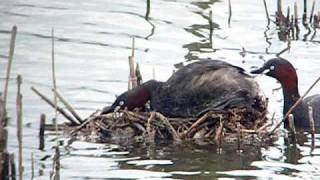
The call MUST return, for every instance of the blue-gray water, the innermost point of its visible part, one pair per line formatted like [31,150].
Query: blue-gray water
[93,40]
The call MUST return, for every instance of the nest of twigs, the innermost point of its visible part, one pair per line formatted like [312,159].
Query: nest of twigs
[152,126]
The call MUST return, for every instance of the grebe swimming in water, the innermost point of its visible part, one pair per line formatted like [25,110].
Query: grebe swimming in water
[285,73]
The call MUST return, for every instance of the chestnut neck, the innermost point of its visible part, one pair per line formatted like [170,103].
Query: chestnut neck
[140,95]
[290,91]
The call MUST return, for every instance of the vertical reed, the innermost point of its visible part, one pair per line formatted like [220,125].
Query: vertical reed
[12,167]
[312,11]
[230,13]
[292,129]
[4,156]
[41,132]
[304,16]
[138,74]
[148,10]
[266,9]
[11,52]
[56,162]
[132,77]
[210,28]
[53,70]
[19,125]
[312,128]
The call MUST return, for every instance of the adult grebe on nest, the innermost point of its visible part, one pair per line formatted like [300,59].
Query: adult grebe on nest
[199,87]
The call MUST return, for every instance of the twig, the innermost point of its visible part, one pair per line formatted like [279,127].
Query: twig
[132,77]
[292,129]
[56,163]
[87,122]
[41,131]
[294,106]
[69,107]
[230,12]
[176,136]
[59,109]
[304,16]
[19,125]
[4,170]
[218,134]
[55,101]
[138,75]
[201,120]
[148,10]
[12,167]
[312,11]
[312,128]
[266,9]
[11,52]
[149,122]
[210,28]
[2,114]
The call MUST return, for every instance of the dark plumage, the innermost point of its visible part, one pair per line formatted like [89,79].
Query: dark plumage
[194,89]
[285,73]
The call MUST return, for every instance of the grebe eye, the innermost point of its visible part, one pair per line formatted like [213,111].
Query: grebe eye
[271,68]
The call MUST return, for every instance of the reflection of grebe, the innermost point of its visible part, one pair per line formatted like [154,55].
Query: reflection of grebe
[194,89]
[285,73]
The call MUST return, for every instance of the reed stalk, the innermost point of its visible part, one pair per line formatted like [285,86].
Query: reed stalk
[19,126]
[266,9]
[292,129]
[11,53]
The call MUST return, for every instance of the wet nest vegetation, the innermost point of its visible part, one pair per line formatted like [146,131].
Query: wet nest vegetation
[229,126]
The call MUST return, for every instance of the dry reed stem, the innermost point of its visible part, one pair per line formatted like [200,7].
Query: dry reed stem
[266,9]
[2,114]
[54,83]
[311,119]
[59,109]
[11,52]
[201,120]
[312,11]
[218,134]
[69,107]
[132,77]
[41,132]
[19,125]
[176,136]
[230,13]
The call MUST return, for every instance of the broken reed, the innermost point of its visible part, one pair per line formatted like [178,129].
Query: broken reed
[289,24]
[19,124]
[7,165]
[6,86]
[132,83]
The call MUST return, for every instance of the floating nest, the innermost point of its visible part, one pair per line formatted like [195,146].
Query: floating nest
[229,126]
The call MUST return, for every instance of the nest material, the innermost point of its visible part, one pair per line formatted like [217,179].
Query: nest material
[152,126]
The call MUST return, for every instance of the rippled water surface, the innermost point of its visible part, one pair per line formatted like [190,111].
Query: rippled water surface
[93,41]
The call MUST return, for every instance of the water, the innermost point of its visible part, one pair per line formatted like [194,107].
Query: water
[93,40]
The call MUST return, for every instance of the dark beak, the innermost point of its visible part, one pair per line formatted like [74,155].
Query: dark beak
[258,71]
[107,109]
